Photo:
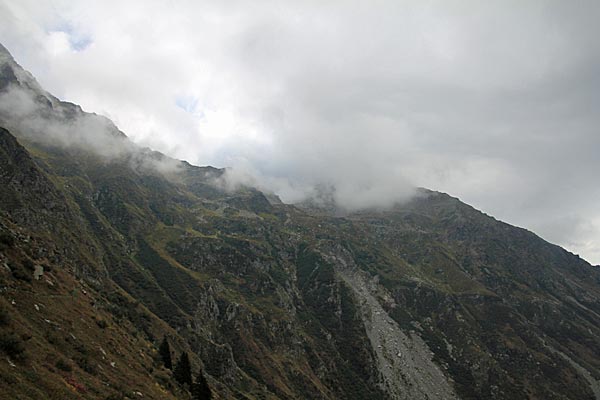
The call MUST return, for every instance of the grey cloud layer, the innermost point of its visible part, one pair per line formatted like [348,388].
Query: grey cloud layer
[496,103]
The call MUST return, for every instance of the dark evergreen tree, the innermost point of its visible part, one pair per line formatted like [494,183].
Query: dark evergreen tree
[183,370]
[165,353]
[200,389]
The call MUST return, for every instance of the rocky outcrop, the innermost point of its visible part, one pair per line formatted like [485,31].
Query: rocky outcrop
[404,361]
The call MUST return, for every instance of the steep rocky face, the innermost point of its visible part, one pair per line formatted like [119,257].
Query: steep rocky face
[404,361]
[494,302]
[430,299]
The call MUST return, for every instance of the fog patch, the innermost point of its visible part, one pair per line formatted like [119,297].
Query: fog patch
[244,176]
[324,191]
[42,119]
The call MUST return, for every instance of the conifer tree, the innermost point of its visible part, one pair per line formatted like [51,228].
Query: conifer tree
[165,353]
[200,389]
[183,371]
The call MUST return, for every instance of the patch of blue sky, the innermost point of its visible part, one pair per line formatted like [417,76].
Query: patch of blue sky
[78,41]
[188,104]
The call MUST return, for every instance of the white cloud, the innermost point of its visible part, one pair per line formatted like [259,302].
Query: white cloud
[495,102]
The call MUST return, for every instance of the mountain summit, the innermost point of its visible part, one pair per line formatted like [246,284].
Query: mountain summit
[128,274]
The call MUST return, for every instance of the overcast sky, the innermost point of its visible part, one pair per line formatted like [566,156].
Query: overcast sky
[497,103]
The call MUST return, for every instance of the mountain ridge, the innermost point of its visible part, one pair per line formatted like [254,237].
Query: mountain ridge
[269,300]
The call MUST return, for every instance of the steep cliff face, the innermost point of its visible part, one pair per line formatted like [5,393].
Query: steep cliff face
[498,306]
[430,299]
